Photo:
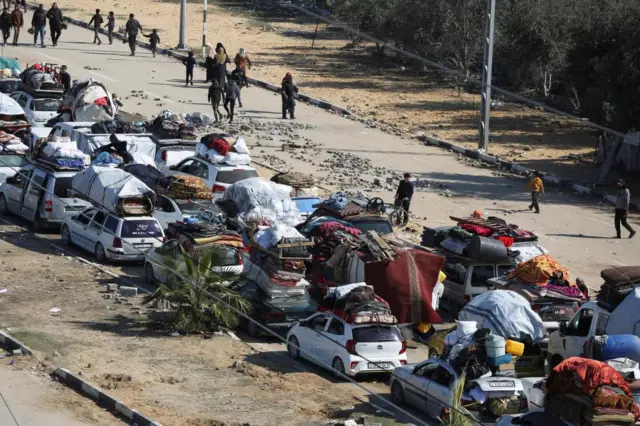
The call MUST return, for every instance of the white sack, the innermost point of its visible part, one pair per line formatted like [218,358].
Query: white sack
[15,147]
[9,106]
[235,159]
[241,147]
[269,237]
[62,150]
[342,291]
[144,159]
[107,186]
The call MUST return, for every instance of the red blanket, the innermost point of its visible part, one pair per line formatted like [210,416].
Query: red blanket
[407,284]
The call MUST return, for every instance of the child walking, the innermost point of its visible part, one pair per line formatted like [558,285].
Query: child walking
[154,39]
[190,63]
[232,91]
[215,97]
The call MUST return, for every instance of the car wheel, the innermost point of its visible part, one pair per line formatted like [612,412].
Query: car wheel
[397,393]
[433,354]
[4,209]
[149,277]
[37,224]
[101,255]
[338,368]
[293,347]
[65,235]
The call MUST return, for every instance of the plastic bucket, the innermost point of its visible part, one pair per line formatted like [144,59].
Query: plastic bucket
[514,348]
[501,360]
[622,346]
[465,327]
[494,345]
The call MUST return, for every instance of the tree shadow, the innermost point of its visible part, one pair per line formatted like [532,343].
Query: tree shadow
[124,326]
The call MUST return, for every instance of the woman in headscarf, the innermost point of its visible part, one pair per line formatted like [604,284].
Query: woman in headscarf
[211,54]
[220,61]
[243,62]
[289,92]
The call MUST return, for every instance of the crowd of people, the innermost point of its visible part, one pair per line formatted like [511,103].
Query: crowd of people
[15,21]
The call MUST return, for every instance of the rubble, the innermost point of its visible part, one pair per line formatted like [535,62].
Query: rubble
[125,291]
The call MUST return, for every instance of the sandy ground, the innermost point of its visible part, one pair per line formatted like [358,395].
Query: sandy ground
[410,100]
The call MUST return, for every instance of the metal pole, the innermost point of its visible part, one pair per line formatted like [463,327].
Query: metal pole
[183,24]
[315,34]
[204,29]
[483,143]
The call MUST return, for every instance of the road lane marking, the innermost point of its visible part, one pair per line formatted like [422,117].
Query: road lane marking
[599,220]
[50,57]
[103,76]
[618,263]
[158,96]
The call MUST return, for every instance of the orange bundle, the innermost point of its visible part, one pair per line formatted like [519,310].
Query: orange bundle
[539,270]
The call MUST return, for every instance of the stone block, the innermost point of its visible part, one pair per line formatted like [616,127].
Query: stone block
[128,291]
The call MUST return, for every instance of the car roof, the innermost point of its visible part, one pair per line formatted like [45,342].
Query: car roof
[119,217]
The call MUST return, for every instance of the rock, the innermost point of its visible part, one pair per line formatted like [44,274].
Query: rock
[110,288]
[125,291]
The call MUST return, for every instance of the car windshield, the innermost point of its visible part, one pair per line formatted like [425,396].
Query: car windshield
[376,333]
[305,205]
[140,228]
[62,187]
[9,86]
[193,207]
[10,160]
[382,227]
[226,256]
[46,105]
[236,175]
[557,312]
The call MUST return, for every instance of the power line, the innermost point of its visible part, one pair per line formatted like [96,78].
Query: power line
[9,409]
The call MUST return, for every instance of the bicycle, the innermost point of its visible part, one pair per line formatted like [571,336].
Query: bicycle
[397,215]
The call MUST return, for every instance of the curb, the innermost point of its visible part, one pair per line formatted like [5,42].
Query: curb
[101,398]
[516,168]
[12,343]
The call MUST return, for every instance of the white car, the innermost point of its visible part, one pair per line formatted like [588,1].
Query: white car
[168,210]
[217,176]
[350,349]
[10,163]
[39,110]
[170,152]
[111,237]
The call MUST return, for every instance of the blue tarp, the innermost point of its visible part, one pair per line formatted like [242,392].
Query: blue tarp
[9,63]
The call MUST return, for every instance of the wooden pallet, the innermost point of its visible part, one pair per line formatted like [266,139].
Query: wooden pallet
[378,247]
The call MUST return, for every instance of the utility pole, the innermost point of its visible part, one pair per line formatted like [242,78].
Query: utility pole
[204,29]
[183,25]
[485,110]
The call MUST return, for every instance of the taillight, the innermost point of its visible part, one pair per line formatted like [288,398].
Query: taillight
[48,206]
[117,243]
[164,156]
[403,362]
[444,415]
[524,404]
[272,316]
[351,347]
[353,364]
[536,308]
[467,298]
[217,188]
[403,349]
[239,257]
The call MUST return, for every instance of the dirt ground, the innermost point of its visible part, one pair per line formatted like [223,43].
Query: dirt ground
[175,380]
[411,99]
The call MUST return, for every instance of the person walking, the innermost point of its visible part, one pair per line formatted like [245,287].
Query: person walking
[17,21]
[5,25]
[238,76]
[97,21]
[209,62]
[215,97]
[55,22]
[622,209]
[404,193]
[231,92]
[65,78]
[38,24]
[154,39]
[242,61]
[220,61]
[190,63]
[131,31]
[289,91]
[111,24]
[537,188]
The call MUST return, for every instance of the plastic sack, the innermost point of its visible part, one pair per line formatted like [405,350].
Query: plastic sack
[241,147]
[144,159]
[235,159]
[269,237]
[214,157]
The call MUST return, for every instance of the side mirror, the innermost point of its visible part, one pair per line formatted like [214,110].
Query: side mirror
[10,180]
[563,328]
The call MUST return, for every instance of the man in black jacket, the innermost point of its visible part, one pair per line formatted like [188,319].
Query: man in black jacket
[55,22]
[39,23]
[404,192]
[97,21]
[65,78]
[5,25]
[131,31]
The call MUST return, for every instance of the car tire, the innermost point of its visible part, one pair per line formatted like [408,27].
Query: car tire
[101,254]
[149,276]
[433,354]
[338,368]
[4,208]
[397,393]
[37,224]
[293,347]
[65,236]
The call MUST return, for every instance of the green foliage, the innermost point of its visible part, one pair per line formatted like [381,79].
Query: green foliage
[193,308]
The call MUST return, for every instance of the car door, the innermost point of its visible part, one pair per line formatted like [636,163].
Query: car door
[14,190]
[336,340]
[439,390]
[577,333]
[165,211]
[78,227]
[32,194]
[417,384]
[312,342]
[94,231]
[159,257]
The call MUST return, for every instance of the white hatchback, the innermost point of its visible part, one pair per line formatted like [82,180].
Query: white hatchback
[39,110]
[351,349]
[111,237]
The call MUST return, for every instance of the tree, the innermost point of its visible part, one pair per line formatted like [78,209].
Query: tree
[194,310]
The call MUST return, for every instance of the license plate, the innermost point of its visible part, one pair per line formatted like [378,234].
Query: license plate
[143,246]
[380,365]
[502,384]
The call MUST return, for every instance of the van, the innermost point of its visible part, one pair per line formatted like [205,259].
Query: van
[22,195]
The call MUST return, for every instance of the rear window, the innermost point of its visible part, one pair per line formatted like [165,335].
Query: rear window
[376,333]
[226,256]
[382,227]
[305,205]
[47,105]
[13,161]
[233,176]
[140,228]
[556,312]
[191,208]
[62,187]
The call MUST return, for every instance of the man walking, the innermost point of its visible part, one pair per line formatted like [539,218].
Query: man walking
[231,91]
[537,188]
[65,78]
[97,21]
[111,24]
[39,23]
[55,22]
[17,21]
[131,31]
[404,193]
[5,25]
[622,209]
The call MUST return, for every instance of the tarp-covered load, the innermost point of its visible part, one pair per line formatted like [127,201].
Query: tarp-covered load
[90,101]
[40,78]
[141,143]
[115,189]
[540,270]
[506,314]
[10,64]
[216,149]
[9,142]
[168,125]
[60,152]
[9,107]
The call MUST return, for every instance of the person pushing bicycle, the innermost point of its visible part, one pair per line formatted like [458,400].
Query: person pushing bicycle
[404,193]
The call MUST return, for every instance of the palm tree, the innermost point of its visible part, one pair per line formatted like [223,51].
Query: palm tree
[198,295]
[458,415]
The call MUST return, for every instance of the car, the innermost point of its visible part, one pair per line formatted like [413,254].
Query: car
[378,223]
[159,260]
[35,134]
[110,237]
[534,418]
[217,176]
[305,205]
[170,152]
[23,195]
[10,163]
[277,314]
[9,85]
[350,349]
[428,387]
[169,210]
[38,109]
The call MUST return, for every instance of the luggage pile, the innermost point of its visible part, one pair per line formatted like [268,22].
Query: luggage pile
[589,392]
[60,153]
[9,67]
[303,185]
[11,143]
[41,78]
[89,100]
[115,189]
[619,281]
[199,236]
[357,304]
[216,149]
[185,188]
[168,125]
[107,127]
